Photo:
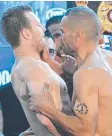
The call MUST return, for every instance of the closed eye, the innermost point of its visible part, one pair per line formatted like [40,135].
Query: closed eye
[56,35]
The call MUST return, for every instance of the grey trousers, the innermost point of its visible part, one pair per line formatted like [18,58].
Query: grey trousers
[28,132]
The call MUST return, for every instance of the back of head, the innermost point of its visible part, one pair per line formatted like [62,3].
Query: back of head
[54,20]
[12,22]
[85,19]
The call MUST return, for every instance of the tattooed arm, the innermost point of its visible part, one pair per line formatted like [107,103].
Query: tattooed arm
[86,100]
[86,107]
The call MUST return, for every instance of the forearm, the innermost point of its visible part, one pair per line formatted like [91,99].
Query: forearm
[48,124]
[71,124]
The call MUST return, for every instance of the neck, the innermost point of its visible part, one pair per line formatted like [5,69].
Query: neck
[84,53]
[23,51]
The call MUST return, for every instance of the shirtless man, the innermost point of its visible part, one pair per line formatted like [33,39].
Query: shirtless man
[30,75]
[92,81]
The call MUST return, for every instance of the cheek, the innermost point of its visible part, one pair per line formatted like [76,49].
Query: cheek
[69,41]
[57,42]
[67,38]
[39,34]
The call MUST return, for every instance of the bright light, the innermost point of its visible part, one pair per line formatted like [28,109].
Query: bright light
[5,77]
[55,12]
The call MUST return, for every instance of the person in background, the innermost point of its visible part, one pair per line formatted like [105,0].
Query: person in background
[50,45]
[53,29]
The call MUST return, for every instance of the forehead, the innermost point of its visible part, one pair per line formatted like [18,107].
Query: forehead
[55,28]
[64,21]
[34,20]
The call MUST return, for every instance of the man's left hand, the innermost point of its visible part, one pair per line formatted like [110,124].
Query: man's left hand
[43,102]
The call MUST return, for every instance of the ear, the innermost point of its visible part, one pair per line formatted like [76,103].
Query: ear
[26,33]
[77,36]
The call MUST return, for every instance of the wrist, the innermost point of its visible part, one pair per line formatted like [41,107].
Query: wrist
[52,112]
[49,61]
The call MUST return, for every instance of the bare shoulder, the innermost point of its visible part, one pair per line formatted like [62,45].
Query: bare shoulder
[30,67]
[29,63]
[83,74]
[91,77]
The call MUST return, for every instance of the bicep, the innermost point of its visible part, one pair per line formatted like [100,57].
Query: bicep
[86,104]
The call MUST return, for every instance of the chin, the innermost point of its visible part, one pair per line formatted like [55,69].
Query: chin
[39,42]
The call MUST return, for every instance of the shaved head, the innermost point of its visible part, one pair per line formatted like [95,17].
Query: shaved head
[85,19]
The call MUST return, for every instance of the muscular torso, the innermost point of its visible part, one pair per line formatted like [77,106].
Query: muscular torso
[100,66]
[59,94]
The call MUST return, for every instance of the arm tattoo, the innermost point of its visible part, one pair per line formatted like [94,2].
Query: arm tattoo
[82,108]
